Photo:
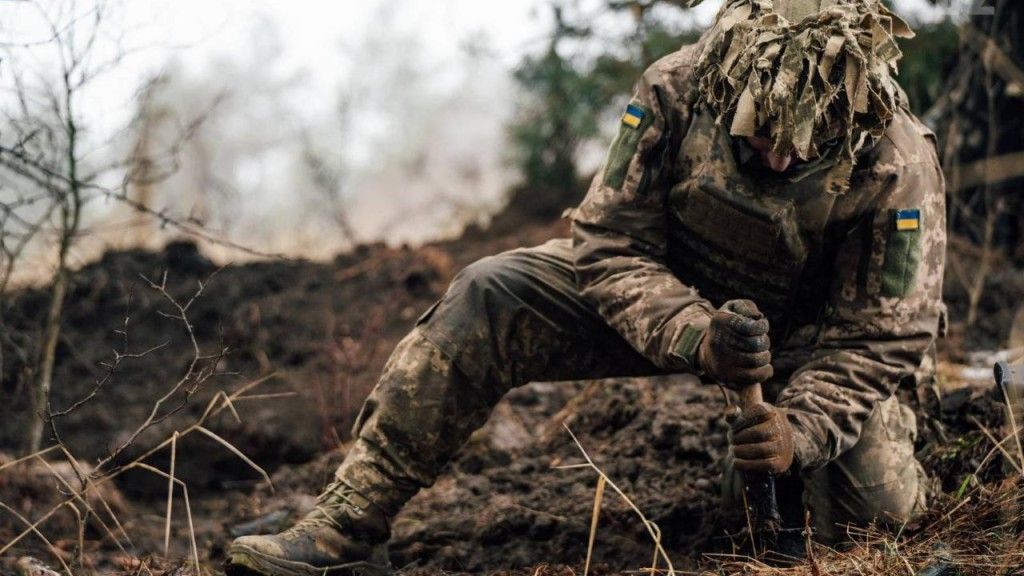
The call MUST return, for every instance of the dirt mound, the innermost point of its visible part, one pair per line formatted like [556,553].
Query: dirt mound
[324,330]
[508,502]
[659,440]
[505,503]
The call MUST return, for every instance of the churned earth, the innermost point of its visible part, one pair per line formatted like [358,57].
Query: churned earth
[315,336]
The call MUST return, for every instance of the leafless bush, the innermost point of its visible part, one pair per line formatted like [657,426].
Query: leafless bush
[52,169]
[83,493]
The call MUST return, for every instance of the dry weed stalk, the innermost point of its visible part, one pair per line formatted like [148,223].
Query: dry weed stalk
[603,480]
[350,351]
[594,519]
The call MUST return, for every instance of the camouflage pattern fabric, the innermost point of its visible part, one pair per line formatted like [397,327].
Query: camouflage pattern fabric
[518,317]
[877,480]
[844,254]
[505,321]
[804,72]
[853,295]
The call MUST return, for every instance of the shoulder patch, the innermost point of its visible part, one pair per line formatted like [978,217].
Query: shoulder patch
[902,253]
[634,116]
[635,123]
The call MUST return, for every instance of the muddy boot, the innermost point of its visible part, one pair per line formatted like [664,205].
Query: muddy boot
[345,535]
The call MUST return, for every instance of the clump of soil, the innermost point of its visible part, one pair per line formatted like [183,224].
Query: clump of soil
[659,440]
[321,332]
[504,503]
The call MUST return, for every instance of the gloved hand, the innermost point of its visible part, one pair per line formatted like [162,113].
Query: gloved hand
[735,348]
[762,440]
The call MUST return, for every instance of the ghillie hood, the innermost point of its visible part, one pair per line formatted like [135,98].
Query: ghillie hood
[810,75]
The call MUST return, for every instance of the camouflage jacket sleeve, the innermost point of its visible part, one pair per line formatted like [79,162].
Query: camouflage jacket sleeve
[885,303]
[619,231]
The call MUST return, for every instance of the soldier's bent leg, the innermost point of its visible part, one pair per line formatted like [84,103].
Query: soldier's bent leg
[505,321]
[878,480]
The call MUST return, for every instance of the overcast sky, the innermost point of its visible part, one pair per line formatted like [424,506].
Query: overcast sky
[313,34]
[313,42]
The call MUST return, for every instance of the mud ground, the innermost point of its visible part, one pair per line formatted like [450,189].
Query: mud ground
[319,333]
[507,502]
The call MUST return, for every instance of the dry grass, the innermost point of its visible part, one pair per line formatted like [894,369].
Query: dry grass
[78,494]
[603,481]
[979,534]
[976,531]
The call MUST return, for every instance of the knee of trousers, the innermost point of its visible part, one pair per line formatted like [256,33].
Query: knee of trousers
[473,320]
[878,480]
[493,276]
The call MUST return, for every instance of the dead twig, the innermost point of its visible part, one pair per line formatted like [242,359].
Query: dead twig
[649,525]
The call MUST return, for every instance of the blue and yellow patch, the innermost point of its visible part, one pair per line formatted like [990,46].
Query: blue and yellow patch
[634,116]
[908,220]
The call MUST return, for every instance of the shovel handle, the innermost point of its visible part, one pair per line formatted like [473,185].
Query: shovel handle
[760,488]
[750,395]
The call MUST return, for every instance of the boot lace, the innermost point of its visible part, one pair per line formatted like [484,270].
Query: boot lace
[331,505]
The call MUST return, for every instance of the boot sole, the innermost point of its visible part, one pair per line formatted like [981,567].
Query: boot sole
[245,561]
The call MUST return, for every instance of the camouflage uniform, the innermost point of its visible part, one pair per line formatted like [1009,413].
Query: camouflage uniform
[854,303]
[844,254]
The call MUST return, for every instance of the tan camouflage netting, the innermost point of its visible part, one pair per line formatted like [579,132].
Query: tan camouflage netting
[804,72]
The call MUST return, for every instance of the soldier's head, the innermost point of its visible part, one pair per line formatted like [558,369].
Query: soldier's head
[802,78]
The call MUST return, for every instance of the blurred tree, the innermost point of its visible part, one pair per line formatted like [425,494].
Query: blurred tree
[563,100]
[45,178]
[571,88]
[927,61]
[584,76]
[979,124]
[54,166]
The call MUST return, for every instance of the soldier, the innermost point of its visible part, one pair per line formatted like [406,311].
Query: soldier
[768,188]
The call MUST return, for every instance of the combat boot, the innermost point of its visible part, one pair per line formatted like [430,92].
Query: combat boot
[345,534]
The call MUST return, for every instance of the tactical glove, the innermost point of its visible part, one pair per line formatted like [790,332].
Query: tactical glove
[762,440]
[735,348]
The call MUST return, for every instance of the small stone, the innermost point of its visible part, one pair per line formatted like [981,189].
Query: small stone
[29,566]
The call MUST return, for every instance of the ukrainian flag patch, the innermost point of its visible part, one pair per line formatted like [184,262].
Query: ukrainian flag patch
[634,116]
[908,220]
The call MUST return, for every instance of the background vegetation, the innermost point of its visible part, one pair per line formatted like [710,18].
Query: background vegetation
[582,81]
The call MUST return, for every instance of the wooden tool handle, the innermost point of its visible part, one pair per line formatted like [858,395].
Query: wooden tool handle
[750,395]
[761,500]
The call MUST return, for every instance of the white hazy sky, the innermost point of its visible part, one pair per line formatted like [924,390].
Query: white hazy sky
[315,40]
[313,33]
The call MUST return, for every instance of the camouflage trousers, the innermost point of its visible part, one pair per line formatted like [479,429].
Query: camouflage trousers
[877,480]
[518,317]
